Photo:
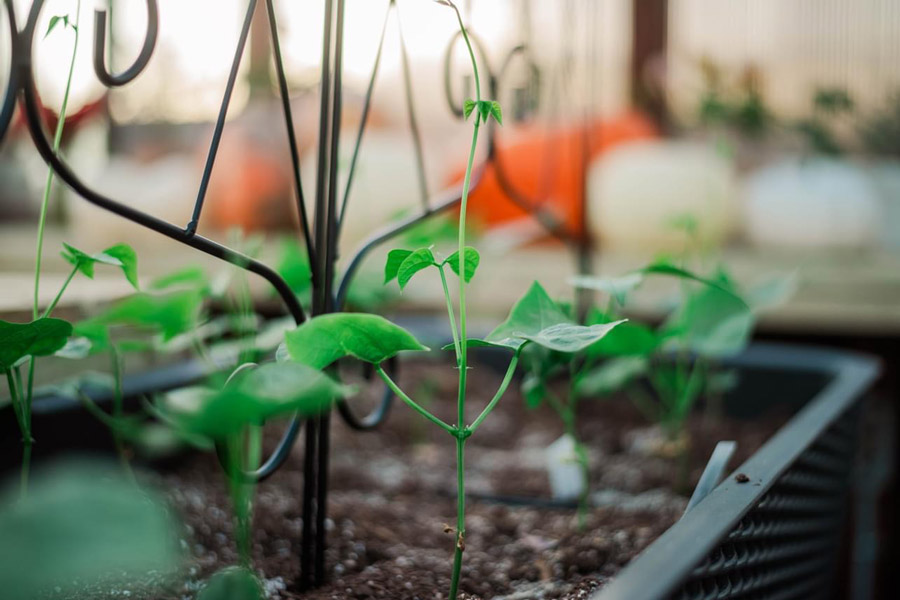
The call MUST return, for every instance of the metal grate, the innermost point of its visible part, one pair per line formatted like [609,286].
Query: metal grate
[787,545]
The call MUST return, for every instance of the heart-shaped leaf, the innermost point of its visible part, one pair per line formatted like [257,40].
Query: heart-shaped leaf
[496,112]
[412,264]
[566,337]
[120,255]
[327,338]
[468,107]
[395,258]
[532,313]
[253,397]
[470,262]
[41,337]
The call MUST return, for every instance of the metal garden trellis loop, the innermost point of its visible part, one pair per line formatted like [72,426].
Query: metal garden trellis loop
[321,237]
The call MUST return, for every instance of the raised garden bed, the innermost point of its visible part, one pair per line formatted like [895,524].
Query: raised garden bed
[392,491]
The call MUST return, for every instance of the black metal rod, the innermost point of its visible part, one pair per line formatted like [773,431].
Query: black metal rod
[364,118]
[191,228]
[111,80]
[411,116]
[291,135]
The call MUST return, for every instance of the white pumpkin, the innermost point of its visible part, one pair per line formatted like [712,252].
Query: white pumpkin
[811,202]
[637,190]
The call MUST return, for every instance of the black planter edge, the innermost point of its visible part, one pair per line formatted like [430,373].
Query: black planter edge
[669,561]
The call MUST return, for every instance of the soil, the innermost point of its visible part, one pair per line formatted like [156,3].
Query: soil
[393,491]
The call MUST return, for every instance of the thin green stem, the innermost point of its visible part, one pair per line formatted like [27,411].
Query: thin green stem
[460,517]
[413,404]
[450,313]
[60,293]
[117,407]
[500,391]
[15,399]
[465,35]
[48,186]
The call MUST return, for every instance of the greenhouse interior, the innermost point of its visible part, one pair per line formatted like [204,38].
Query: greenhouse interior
[449,299]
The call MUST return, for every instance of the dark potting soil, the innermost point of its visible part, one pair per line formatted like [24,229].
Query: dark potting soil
[393,490]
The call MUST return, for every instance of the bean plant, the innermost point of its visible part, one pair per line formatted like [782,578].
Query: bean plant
[325,339]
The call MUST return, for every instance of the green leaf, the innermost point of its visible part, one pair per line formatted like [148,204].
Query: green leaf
[611,376]
[394,259]
[472,259]
[170,314]
[37,338]
[484,109]
[565,337]
[496,112]
[771,293]
[412,264]
[293,266]
[76,348]
[120,255]
[189,277]
[327,338]
[54,21]
[534,390]
[532,313]
[712,322]
[232,583]
[253,397]
[668,269]
[127,258]
[617,287]
[468,107]
[83,522]
[628,339]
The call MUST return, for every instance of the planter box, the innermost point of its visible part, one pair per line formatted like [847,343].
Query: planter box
[778,532]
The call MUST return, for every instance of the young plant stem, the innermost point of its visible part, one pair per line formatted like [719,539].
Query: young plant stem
[500,391]
[412,403]
[42,222]
[463,350]
[57,141]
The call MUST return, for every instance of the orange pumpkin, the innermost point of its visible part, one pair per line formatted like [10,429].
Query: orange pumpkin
[548,168]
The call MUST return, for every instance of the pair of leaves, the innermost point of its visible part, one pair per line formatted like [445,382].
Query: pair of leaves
[120,255]
[485,108]
[41,337]
[56,20]
[325,339]
[252,397]
[403,264]
[538,319]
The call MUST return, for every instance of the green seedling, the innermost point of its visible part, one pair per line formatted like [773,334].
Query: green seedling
[23,342]
[230,416]
[677,358]
[325,339]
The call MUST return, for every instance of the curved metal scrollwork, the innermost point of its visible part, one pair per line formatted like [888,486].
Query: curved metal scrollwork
[25,75]
[9,96]
[111,80]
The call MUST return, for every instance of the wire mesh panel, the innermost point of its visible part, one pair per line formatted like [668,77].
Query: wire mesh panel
[788,544]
